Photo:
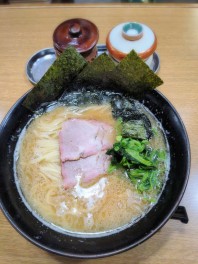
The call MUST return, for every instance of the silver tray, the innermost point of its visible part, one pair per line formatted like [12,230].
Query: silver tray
[40,62]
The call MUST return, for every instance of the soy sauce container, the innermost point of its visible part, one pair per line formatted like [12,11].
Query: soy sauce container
[80,33]
[132,36]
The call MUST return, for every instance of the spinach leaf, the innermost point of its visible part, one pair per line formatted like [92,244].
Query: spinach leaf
[140,162]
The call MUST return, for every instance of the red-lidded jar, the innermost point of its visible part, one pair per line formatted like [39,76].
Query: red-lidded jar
[80,33]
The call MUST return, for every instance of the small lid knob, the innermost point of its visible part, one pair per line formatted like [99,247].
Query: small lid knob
[75,30]
[132,31]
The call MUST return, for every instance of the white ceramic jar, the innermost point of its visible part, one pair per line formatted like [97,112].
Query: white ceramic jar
[132,36]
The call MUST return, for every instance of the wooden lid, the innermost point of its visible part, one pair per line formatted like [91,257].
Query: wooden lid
[80,33]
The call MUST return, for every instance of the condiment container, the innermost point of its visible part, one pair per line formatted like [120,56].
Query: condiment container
[132,36]
[80,33]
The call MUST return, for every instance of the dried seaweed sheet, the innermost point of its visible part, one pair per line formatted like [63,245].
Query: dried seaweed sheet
[136,129]
[97,72]
[65,68]
[134,76]
[135,123]
[71,69]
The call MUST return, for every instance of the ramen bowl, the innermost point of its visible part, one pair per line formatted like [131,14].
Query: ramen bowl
[94,245]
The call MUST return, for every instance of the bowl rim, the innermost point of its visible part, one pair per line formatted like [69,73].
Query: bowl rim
[113,251]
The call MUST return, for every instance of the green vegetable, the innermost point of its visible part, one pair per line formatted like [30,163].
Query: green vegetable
[65,68]
[145,180]
[154,131]
[118,126]
[132,151]
[141,163]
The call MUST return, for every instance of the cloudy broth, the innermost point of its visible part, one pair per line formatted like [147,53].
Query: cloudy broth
[107,203]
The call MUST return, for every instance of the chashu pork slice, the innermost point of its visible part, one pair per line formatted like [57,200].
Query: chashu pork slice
[80,138]
[85,169]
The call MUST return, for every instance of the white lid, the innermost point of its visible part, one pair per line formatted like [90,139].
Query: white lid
[131,36]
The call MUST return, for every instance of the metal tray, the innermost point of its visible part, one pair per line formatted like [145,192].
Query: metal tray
[40,62]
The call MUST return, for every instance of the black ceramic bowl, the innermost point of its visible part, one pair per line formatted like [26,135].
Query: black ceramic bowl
[110,243]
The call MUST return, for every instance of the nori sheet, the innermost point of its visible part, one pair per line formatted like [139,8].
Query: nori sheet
[134,76]
[97,72]
[137,129]
[70,69]
[62,72]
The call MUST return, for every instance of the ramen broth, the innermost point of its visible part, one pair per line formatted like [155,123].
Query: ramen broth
[108,202]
